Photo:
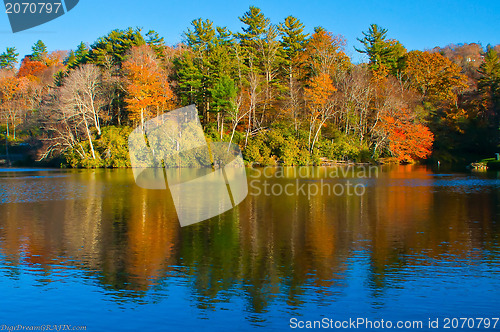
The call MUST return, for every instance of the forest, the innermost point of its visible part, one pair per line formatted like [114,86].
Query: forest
[284,96]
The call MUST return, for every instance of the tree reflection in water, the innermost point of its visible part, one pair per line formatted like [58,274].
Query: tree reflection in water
[284,249]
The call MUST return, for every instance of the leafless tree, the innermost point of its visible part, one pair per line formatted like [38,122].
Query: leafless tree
[82,96]
[356,96]
[73,111]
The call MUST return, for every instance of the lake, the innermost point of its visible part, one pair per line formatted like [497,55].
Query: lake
[91,248]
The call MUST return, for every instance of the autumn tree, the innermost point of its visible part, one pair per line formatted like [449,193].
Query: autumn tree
[41,74]
[357,113]
[319,101]
[31,68]
[467,56]
[13,100]
[148,91]
[406,140]
[324,54]
[436,77]
[109,52]
[325,63]
[274,83]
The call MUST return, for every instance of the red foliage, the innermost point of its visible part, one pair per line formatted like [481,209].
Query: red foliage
[407,140]
[30,68]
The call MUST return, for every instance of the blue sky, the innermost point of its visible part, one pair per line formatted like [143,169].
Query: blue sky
[418,24]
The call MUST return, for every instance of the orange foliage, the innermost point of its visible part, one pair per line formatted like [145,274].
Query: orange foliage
[379,76]
[324,53]
[319,92]
[434,75]
[407,140]
[148,90]
[30,68]
[13,89]
[55,58]
[8,87]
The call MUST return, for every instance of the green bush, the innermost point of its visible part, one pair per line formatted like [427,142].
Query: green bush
[258,151]
[345,148]
[80,156]
[111,150]
[280,145]
[113,147]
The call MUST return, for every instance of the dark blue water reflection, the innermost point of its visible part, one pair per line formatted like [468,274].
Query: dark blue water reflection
[91,248]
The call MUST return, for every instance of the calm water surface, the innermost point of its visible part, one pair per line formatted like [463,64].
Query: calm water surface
[91,248]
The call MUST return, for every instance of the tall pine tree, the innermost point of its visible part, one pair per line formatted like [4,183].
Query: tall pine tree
[8,59]
[39,51]
[386,56]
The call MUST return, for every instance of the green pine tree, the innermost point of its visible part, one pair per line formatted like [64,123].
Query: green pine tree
[292,37]
[70,59]
[81,54]
[254,32]
[211,57]
[39,51]
[489,83]
[293,42]
[189,79]
[111,50]
[8,59]
[156,42]
[382,53]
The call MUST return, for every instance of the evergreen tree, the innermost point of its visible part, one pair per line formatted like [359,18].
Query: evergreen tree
[224,93]
[202,36]
[489,83]
[39,51]
[386,56]
[81,53]
[293,42]
[78,57]
[156,43]
[256,25]
[70,59]
[189,79]
[8,59]
[198,71]
[257,28]
[292,37]
[490,69]
[261,51]
[111,50]
[254,33]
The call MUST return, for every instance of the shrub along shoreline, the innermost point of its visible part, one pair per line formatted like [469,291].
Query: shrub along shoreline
[278,145]
[275,146]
